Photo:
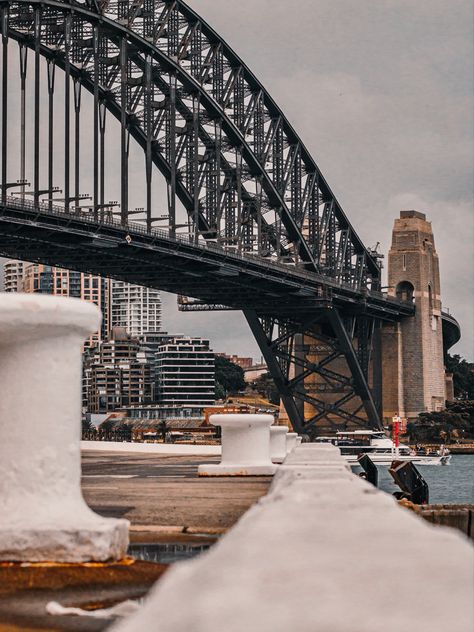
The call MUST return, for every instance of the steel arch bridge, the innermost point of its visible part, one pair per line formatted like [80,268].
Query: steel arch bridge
[250,223]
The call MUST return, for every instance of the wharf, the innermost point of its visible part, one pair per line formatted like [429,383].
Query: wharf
[164,500]
[162,495]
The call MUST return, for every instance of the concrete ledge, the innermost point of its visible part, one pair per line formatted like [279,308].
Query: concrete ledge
[157,448]
[323,551]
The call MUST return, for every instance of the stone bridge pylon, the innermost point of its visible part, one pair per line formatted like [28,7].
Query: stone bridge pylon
[413,373]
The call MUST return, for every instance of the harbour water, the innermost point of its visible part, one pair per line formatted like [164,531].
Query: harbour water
[453,483]
[166,553]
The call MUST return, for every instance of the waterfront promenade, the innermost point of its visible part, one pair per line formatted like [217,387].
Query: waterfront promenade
[162,495]
[165,501]
[291,527]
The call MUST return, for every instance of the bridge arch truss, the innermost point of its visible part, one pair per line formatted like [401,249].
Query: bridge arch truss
[229,156]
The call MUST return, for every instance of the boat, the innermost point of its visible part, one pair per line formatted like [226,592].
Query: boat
[381,449]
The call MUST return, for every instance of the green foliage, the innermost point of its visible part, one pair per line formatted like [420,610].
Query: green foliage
[463,376]
[412,432]
[265,386]
[229,378]
[453,424]
[163,429]
[219,391]
[87,425]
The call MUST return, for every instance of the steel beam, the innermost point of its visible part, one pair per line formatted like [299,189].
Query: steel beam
[280,379]
[360,380]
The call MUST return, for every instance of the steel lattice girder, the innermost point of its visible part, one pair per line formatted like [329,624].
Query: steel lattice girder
[223,145]
[292,360]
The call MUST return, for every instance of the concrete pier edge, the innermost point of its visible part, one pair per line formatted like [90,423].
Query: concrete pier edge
[324,550]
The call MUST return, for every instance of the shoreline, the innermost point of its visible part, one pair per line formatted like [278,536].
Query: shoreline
[454,448]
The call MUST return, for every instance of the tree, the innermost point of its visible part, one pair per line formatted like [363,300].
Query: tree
[163,429]
[86,425]
[219,391]
[412,432]
[265,386]
[229,377]
[88,429]
[463,376]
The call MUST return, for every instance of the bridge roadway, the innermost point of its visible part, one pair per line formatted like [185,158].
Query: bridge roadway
[204,271]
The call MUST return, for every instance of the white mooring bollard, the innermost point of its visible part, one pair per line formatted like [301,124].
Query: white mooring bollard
[245,446]
[43,513]
[278,443]
[299,440]
[291,442]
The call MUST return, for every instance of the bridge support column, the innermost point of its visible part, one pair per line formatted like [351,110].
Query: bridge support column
[412,350]
[359,378]
[44,516]
[320,389]
[263,339]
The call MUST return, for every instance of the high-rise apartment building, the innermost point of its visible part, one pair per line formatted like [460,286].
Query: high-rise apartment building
[119,372]
[185,372]
[13,275]
[43,279]
[134,307]
[38,279]
[96,289]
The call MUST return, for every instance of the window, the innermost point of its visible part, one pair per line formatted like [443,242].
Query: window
[405,291]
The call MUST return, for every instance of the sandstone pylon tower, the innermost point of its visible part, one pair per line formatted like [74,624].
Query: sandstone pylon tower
[412,350]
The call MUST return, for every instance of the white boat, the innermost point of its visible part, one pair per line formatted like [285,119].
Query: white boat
[381,449]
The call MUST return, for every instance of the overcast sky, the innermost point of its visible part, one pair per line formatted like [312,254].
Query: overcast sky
[381,93]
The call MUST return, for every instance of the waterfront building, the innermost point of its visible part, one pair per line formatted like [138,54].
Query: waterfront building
[136,308]
[95,289]
[162,412]
[13,275]
[155,340]
[37,278]
[158,423]
[244,363]
[119,372]
[185,372]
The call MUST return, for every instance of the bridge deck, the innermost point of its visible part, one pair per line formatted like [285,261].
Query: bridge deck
[204,270]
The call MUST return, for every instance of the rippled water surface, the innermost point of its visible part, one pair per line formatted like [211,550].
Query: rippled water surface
[166,553]
[453,483]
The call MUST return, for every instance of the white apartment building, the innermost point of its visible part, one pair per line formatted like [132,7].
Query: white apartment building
[185,372]
[13,275]
[135,307]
